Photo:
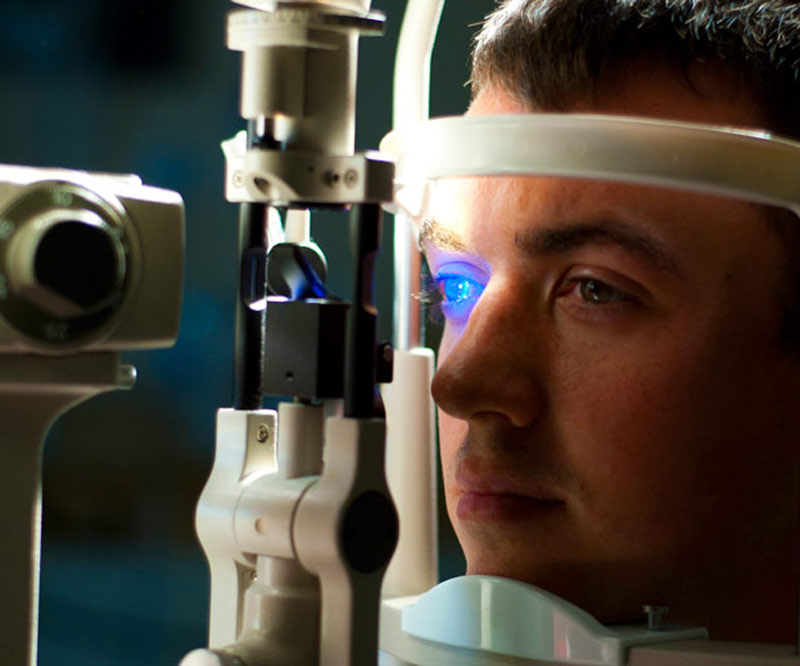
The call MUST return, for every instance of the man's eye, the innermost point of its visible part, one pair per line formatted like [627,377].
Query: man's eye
[596,292]
[458,288]
[458,293]
[589,291]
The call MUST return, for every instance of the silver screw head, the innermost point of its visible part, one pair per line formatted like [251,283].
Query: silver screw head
[351,177]
[262,433]
[655,616]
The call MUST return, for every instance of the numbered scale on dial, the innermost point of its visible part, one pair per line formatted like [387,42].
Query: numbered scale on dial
[64,255]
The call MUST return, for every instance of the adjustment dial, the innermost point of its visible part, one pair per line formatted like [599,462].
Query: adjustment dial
[65,263]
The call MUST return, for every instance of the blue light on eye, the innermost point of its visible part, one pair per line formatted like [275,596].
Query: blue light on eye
[458,288]
[459,294]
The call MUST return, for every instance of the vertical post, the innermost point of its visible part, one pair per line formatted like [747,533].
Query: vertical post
[20,521]
[365,240]
[250,344]
[411,96]
[34,391]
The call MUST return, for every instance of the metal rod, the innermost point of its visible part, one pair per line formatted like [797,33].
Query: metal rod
[249,345]
[407,332]
[365,239]
[411,106]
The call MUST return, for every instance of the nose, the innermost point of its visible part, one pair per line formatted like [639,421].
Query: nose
[491,368]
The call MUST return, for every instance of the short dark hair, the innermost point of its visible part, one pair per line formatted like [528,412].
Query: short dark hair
[552,54]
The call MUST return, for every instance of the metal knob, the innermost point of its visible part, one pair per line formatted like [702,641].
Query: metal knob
[655,616]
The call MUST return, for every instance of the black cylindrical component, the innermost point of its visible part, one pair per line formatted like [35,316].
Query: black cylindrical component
[250,310]
[365,237]
[251,320]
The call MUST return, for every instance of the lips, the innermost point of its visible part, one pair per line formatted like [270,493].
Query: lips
[485,507]
[496,495]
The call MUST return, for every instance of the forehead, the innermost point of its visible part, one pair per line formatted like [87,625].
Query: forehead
[466,208]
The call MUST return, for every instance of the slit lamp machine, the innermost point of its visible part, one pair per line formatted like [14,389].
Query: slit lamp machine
[318,518]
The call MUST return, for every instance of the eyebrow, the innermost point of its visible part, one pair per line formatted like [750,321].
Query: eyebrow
[441,237]
[561,240]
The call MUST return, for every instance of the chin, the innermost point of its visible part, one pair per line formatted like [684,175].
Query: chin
[595,589]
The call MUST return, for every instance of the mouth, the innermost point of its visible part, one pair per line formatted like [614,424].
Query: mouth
[488,493]
[502,507]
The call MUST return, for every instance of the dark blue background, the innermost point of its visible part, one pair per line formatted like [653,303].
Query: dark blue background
[148,87]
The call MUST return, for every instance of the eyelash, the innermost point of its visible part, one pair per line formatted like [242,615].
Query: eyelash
[430,296]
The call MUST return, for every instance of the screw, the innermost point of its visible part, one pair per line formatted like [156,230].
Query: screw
[238,179]
[262,434]
[126,377]
[384,363]
[655,617]
[350,177]
[331,178]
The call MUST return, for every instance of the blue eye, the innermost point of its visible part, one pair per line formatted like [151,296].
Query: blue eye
[459,294]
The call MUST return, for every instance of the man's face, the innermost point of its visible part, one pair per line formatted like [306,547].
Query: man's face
[618,424]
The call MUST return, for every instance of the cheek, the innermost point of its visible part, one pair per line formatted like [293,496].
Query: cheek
[452,432]
[622,434]
[645,426]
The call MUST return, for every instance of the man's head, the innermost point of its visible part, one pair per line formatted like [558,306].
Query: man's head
[619,412]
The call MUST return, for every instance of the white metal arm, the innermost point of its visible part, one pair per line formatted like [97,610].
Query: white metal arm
[34,391]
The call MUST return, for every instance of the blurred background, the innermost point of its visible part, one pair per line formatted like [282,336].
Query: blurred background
[148,87]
